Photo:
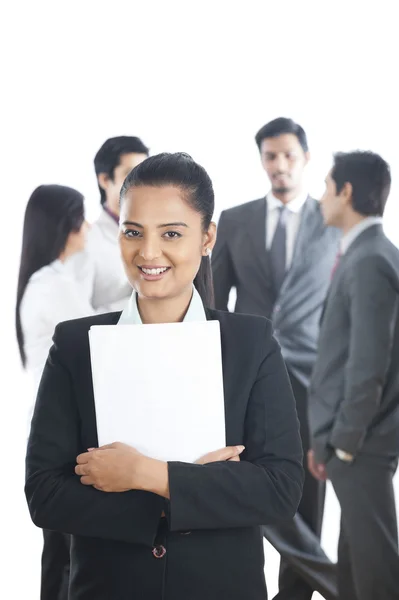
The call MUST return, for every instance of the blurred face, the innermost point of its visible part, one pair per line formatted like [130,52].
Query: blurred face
[112,187]
[284,162]
[162,241]
[77,240]
[334,206]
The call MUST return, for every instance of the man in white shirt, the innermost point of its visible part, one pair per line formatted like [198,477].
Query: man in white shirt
[113,162]
[354,394]
[278,255]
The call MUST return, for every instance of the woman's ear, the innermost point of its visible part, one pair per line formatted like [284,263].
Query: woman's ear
[209,239]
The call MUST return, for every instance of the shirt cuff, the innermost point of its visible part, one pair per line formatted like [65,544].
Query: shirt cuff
[344,456]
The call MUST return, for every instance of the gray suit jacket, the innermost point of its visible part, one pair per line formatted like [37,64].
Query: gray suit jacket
[240,260]
[354,394]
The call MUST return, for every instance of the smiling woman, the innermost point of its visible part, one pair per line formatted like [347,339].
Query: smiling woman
[127,512]
[160,248]
[167,231]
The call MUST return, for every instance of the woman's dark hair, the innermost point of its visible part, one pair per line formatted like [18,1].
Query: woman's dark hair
[52,213]
[182,171]
[370,177]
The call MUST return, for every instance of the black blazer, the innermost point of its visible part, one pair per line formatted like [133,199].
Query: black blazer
[240,260]
[213,539]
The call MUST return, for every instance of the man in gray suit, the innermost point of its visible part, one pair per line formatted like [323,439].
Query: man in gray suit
[354,394]
[278,255]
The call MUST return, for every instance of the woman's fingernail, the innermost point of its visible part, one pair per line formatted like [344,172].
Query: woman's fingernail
[90,449]
[240,449]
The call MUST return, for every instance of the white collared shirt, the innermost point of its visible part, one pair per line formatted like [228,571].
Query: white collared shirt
[348,239]
[294,207]
[54,293]
[195,312]
[102,268]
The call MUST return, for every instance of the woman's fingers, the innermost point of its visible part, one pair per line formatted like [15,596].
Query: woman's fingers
[81,470]
[83,458]
[221,455]
[87,480]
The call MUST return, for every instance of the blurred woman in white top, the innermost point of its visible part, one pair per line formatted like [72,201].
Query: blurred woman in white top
[50,290]
[49,287]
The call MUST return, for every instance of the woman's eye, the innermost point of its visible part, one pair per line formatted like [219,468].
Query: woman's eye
[171,235]
[131,233]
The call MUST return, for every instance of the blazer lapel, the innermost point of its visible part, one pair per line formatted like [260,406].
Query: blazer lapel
[257,223]
[307,231]
[366,235]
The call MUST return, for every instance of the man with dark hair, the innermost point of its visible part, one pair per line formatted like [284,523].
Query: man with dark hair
[113,162]
[278,255]
[354,394]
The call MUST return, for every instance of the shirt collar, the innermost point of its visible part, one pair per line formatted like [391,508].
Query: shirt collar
[348,239]
[131,315]
[294,205]
[111,215]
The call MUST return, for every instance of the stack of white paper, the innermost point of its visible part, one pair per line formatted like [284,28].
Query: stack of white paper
[159,388]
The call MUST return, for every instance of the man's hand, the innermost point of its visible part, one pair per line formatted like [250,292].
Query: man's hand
[318,470]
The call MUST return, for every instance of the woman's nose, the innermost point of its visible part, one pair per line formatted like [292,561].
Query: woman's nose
[150,249]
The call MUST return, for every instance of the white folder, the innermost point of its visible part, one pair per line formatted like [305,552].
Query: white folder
[159,388]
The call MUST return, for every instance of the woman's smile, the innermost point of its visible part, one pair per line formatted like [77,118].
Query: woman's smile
[153,273]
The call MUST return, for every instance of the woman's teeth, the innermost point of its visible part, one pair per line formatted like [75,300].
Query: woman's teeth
[154,271]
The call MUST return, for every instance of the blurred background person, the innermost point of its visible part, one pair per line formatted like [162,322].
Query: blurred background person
[278,255]
[354,395]
[49,291]
[113,162]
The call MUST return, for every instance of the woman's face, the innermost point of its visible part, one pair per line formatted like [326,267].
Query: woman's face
[77,240]
[162,241]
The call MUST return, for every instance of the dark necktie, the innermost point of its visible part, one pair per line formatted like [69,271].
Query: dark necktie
[278,249]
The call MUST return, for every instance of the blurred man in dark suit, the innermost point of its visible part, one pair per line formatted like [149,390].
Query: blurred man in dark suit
[354,395]
[278,255]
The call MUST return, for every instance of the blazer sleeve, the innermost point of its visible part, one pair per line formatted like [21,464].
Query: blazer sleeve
[56,498]
[222,266]
[263,488]
[373,316]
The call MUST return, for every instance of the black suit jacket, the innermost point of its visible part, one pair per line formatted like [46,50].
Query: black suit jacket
[240,260]
[221,505]
[354,395]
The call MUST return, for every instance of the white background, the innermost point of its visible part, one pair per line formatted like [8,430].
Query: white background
[198,76]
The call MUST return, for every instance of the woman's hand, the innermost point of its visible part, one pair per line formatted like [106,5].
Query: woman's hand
[111,468]
[230,453]
[118,467]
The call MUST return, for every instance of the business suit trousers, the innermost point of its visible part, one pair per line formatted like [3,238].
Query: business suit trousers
[55,566]
[368,558]
[305,568]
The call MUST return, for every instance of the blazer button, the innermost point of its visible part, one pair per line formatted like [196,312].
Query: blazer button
[159,551]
